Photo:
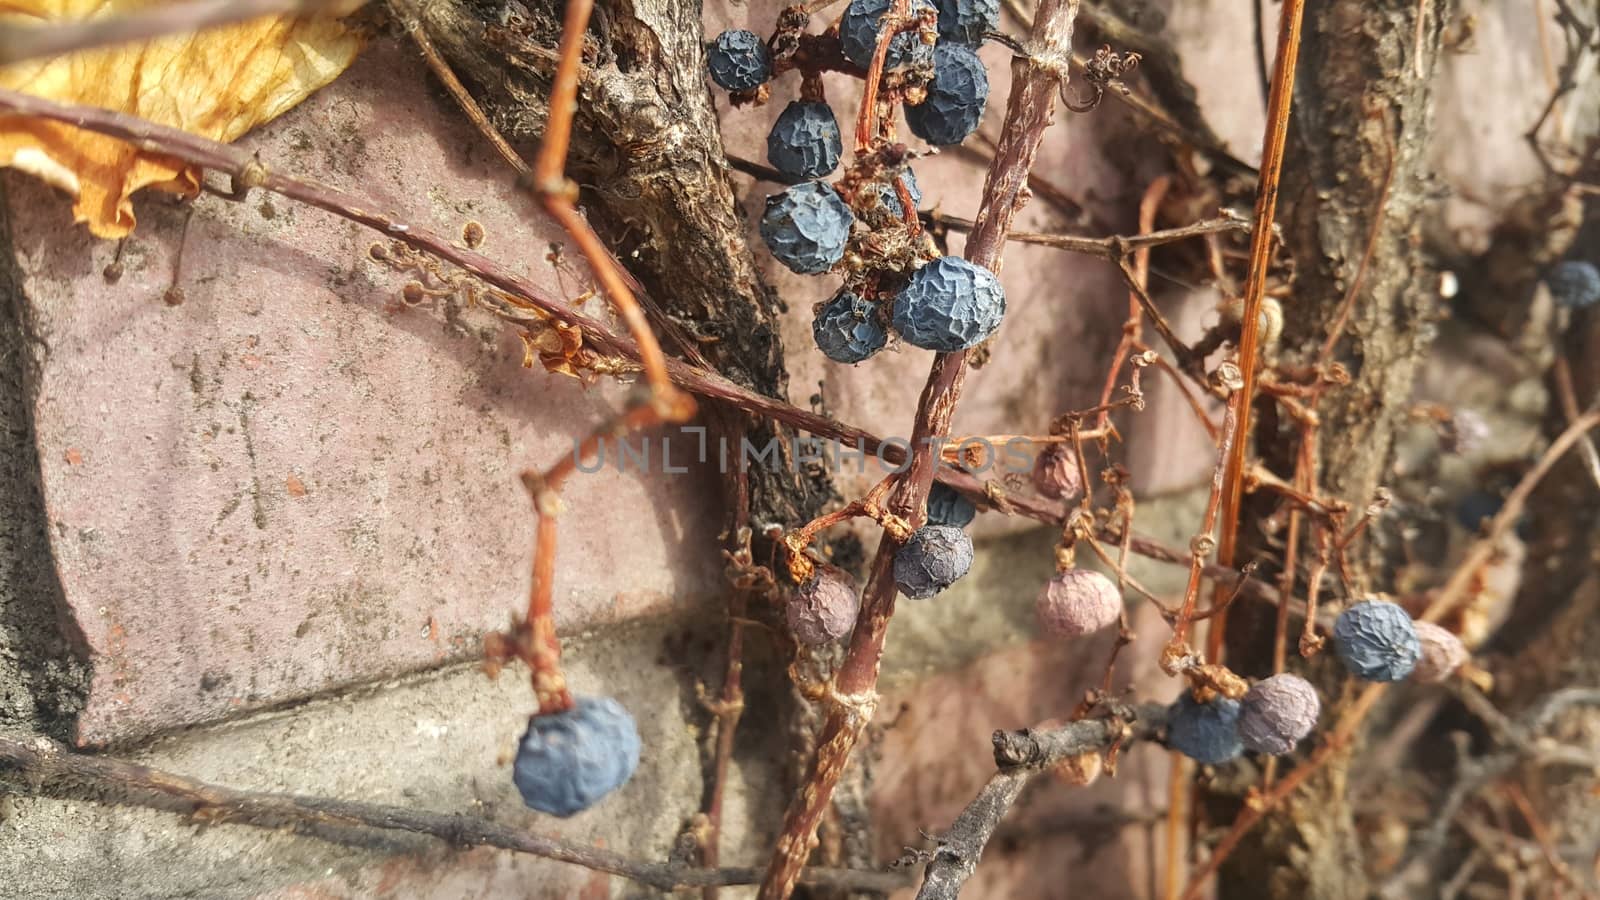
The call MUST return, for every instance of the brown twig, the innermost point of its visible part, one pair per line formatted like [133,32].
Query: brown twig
[1518,740]
[1019,756]
[1141,106]
[1279,101]
[42,767]
[20,42]
[729,708]
[1112,248]
[853,696]
[535,638]
[1455,589]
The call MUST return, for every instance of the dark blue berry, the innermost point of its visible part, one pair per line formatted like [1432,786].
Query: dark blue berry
[739,60]
[946,506]
[858,35]
[1207,733]
[934,558]
[847,328]
[965,21]
[1574,283]
[1476,506]
[568,760]
[805,141]
[948,305]
[890,198]
[1376,641]
[806,227]
[956,97]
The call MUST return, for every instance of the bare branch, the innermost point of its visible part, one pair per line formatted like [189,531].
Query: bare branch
[1020,755]
[42,767]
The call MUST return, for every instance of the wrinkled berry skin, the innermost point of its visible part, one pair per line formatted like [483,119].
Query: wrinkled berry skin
[935,558]
[567,761]
[739,60]
[890,198]
[1207,733]
[805,141]
[946,506]
[858,35]
[965,21]
[1055,473]
[1077,602]
[806,227]
[823,609]
[847,328]
[1377,641]
[949,304]
[1574,283]
[1442,653]
[1277,713]
[956,97]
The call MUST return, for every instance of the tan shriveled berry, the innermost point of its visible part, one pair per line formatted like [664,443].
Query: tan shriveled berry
[824,608]
[1077,602]
[1055,473]
[1442,653]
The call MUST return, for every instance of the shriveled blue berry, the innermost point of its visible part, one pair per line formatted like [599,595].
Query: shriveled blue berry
[847,328]
[806,227]
[1277,713]
[965,21]
[858,35]
[568,760]
[956,97]
[1207,733]
[1574,283]
[947,506]
[890,198]
[805,141]
[949,304]
[1376,641]
[739,60]
[934,558]
[824,608]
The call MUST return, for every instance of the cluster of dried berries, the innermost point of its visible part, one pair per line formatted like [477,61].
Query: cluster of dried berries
[1272,717]
[932,302]
[1377,641]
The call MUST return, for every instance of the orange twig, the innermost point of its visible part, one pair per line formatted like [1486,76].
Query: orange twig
[1239,404]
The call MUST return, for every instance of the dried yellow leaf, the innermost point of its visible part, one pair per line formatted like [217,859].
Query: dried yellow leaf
[219,84]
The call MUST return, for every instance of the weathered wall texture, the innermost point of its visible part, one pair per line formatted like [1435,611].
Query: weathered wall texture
[286,482]
[288,501]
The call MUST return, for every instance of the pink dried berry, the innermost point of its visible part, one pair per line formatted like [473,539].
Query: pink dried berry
[1055,473]
[1277,713]
[824,608]
[1442,653]
[1078,602]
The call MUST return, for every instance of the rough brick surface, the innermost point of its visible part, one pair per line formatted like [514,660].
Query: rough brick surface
[284,482]
[443,743]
